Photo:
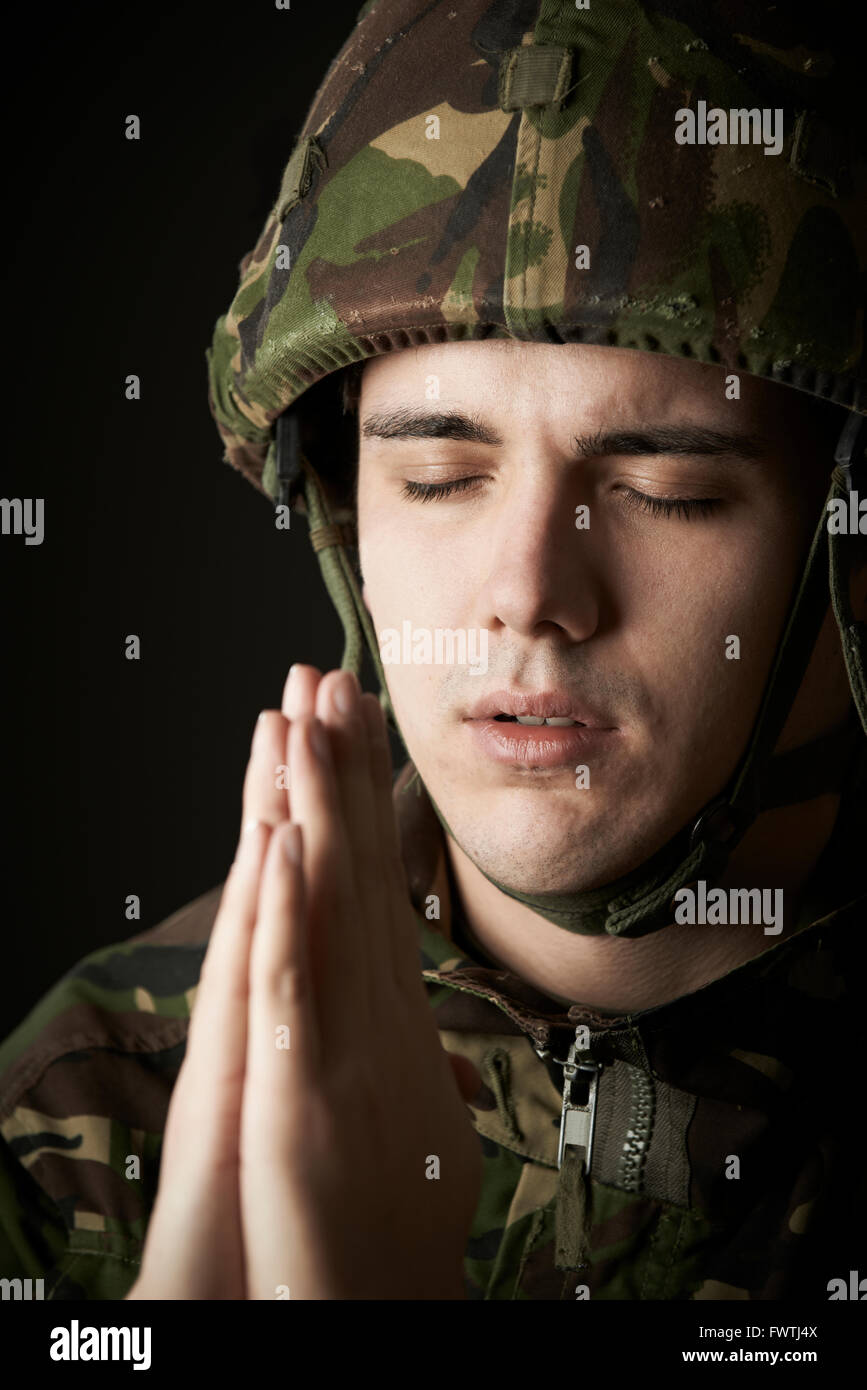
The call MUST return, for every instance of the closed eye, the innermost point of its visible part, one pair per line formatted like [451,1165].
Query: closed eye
[683,507]
[426,492]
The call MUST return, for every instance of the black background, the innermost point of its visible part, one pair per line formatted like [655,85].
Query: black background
[123,776]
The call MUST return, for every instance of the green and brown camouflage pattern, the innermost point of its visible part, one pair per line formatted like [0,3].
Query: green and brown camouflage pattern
[763,1064]
[719,253]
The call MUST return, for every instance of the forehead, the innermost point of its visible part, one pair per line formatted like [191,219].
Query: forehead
[595,384]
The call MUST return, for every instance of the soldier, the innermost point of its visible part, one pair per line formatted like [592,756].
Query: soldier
[610,437]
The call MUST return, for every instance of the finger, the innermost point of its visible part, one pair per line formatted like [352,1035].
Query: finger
[282,1079]
[283,1053]
[299,702]
[212,1075]
[336,947]
[266,780]
[299,692]
[402,931]
[339,706]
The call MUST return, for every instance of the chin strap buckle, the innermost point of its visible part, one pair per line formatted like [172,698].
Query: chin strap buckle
[716,822]
[289,469]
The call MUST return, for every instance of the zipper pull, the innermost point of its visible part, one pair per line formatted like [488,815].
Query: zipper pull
[574,1157]
[578,1120]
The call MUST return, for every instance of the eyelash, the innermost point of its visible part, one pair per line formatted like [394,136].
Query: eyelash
[657,506]
[426,492]
[685,507]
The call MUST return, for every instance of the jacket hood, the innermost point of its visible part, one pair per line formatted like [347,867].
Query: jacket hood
[524,169]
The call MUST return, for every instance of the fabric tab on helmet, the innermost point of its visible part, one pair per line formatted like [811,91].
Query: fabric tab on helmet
[534,75]
[306,158]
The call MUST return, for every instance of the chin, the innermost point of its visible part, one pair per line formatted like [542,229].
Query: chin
[529,856]
[524,875]
[532,849]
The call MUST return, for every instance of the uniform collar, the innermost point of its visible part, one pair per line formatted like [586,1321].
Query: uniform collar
[450,960]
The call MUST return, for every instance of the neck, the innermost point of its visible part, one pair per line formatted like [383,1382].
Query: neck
[624,975]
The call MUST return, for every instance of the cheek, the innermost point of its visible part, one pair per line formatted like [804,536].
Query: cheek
[700,617]
[406,580]
[406,574]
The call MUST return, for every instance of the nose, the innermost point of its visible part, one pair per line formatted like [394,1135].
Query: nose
[543,577]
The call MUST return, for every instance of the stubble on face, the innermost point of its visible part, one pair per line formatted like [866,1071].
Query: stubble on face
[631,616]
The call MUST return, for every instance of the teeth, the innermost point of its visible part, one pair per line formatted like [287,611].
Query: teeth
[537,719]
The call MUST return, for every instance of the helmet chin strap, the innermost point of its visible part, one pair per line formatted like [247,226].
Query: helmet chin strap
[640,902]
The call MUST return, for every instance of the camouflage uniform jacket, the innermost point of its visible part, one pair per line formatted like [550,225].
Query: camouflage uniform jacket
[759,1066]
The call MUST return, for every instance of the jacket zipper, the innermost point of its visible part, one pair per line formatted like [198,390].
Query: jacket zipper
[578,1120]
[575,1148]
[575,1157]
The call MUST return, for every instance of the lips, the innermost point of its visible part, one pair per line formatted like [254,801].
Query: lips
[535,748]
[541,705]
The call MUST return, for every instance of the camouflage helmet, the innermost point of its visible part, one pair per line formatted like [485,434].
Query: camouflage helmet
[686,177]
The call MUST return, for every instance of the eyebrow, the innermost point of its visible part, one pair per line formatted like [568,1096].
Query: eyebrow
[422,424]
[404,423]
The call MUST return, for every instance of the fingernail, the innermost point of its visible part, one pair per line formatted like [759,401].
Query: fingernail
[259,730]
[292,843]
[345,693]
[319,740]
[289,689]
